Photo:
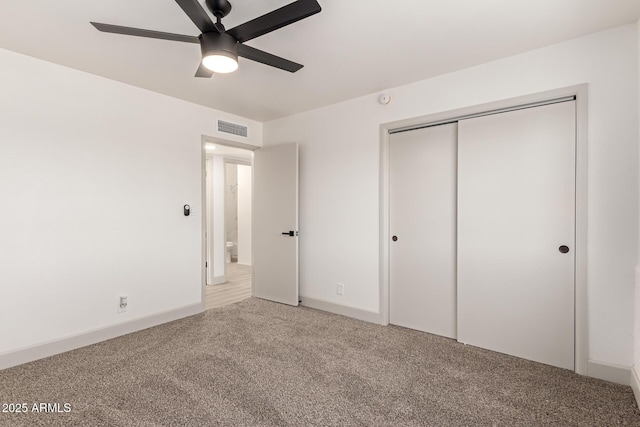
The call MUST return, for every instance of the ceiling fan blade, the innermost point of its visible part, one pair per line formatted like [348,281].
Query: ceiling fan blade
[273,20]
[197,14]
[203,71]
[128,31]
[267,58]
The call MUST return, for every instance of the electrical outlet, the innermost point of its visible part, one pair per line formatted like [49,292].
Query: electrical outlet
[340,289]
[122,304]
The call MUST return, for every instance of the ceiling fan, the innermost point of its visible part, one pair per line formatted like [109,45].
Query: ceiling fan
[221,47]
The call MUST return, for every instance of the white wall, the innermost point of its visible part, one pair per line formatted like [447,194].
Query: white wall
[340,172]
[231,205]
[93,177]
[244,214]
[218,221]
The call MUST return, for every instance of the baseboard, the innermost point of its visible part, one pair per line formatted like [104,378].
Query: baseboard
[635,384]
[219,280]
[609,372]
[344,310]
[635,376]
[246,267]
[50,348]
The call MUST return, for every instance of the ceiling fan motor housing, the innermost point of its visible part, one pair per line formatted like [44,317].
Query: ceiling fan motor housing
[218,44]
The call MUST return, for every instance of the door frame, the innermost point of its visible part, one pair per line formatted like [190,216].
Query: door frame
[580,92]
[203,184]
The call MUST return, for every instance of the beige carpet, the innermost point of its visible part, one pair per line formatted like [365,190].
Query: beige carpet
[260,363]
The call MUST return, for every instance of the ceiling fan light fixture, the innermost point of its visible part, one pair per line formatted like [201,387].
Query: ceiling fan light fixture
[220,63]
[219,52]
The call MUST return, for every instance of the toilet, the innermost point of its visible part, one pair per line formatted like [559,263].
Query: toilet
[230,246]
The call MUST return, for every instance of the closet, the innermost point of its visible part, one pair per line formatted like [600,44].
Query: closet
[422,215]
[482,225]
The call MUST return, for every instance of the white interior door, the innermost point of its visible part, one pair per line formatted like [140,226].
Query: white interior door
[516,213]
[422,263]
[275,223]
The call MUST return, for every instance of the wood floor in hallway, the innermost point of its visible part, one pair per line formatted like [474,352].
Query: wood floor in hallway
[237,288]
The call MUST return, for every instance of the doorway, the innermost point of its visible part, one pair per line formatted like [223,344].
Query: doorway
[227,222]
[274,232]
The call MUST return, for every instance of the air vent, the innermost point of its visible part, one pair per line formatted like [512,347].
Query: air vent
[232,128]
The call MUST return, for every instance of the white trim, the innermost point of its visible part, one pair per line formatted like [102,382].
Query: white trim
[384,225]
[581,279]
[229,143]
[610,372]
[253,223]
[486,113]
[580,92]
[71,342]
[344,310]
[219,280]
[634,376]
[635,384]
[224,218]
[246,267]
[203,183]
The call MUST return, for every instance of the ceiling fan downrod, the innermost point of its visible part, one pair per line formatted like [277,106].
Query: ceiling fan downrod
[219,8]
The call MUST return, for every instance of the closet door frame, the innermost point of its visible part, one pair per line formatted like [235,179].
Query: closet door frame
[580,92]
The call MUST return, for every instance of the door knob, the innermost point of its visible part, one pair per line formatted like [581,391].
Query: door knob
[394,238]
[289,233]
[563,249]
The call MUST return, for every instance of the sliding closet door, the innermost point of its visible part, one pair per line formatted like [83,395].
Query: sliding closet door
[516,233]
[422,290]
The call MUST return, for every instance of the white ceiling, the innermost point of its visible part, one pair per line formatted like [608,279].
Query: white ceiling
[351,48]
